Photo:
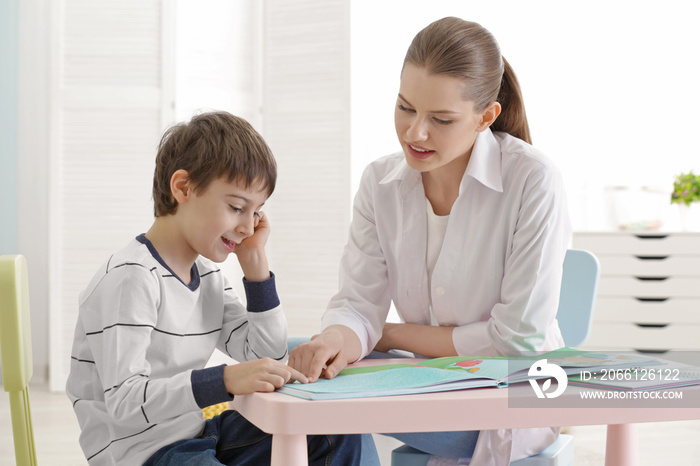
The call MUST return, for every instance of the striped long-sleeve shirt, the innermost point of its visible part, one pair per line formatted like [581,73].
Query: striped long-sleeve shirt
[137,380]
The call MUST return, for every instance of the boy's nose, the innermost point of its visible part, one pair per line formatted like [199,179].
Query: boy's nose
[246,228]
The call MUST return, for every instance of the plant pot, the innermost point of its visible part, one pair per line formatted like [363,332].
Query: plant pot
[690,216]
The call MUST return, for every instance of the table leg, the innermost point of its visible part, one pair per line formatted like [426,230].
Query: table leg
[622,448]
[289,450]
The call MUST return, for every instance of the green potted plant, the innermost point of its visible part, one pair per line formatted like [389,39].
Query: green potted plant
[686,193]
[686,189]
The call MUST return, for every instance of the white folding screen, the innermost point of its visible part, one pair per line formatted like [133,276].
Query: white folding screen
[111,100]
[270,67]
[217,58]
[113,93]
[218,68]
[306,121]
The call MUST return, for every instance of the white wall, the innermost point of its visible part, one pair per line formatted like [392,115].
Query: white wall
[609,86]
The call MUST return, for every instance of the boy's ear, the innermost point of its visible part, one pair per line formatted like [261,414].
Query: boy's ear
[489,116]
[180,186]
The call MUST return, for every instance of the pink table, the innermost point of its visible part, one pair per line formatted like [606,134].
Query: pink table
[290,419]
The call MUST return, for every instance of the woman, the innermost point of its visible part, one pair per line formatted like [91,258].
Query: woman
[465,231]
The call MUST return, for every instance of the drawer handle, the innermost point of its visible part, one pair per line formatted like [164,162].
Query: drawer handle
[652,351]
[652,279]
[651,325]
[651,236]
[652,258]
[652,300]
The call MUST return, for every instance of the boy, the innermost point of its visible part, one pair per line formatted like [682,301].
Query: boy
[156,310]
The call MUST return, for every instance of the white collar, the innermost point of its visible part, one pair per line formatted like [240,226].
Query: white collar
[485,162]
[484,166]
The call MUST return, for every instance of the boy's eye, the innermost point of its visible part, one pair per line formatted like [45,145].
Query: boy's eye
[403,108]
[238,210]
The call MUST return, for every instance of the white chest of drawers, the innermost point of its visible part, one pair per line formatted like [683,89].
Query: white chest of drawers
[649,290]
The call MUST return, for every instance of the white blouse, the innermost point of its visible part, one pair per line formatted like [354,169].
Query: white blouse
[498,275]
[437,226]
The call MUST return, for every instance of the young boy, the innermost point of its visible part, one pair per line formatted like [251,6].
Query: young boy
[155,311]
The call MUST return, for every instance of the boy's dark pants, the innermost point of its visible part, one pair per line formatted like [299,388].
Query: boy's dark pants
[230,439]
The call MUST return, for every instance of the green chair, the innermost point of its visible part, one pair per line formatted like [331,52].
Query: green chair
[16,352]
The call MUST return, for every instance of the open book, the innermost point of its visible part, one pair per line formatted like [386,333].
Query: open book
[455,373]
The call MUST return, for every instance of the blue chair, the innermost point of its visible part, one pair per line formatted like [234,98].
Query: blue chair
[579,285]
[560,453]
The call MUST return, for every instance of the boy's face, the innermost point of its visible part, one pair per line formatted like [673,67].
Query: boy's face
[216,219]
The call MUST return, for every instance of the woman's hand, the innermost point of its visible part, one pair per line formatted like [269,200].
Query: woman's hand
[327,353]
[425,340]
[385,343]
[261,375]
[321,357]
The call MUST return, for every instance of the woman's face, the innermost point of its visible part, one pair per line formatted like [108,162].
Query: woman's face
[434,123]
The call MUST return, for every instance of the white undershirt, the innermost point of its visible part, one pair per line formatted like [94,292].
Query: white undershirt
[437,226]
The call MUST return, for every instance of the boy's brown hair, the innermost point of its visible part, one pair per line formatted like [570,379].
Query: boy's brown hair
[211,146]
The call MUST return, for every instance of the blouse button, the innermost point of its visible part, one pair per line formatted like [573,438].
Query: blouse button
[440,290]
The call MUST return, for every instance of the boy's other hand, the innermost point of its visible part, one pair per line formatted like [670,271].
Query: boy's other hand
[323,356]
[251,251]
[258,240]
[261,375]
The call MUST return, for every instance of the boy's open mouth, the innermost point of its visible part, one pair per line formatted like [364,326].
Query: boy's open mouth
[230,245]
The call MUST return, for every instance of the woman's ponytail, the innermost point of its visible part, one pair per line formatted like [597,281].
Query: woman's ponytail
[512,119]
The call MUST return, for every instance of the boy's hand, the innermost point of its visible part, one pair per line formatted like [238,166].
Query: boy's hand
[262,375]
[323,356]
[258,240]
[251,251]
